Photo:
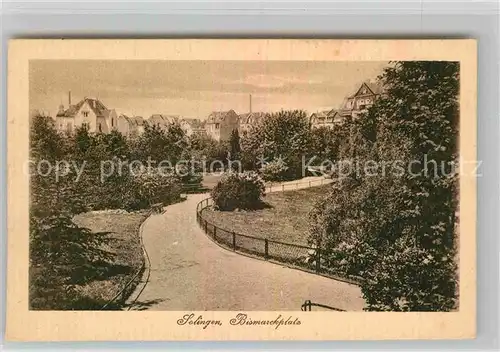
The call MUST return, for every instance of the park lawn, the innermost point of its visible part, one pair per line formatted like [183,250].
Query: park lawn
[285,220]
[128,257]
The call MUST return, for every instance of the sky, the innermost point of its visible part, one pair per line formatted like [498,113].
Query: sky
[193,89]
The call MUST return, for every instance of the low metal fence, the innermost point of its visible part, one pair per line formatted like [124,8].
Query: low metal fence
[306,307]
[294,255]
[290,253]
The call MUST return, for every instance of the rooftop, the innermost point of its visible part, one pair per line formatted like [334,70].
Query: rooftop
[95,104]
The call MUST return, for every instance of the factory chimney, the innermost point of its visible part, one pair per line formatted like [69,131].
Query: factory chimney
[69,98]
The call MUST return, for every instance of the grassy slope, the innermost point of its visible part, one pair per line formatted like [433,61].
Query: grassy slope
[125,245]
[286,220]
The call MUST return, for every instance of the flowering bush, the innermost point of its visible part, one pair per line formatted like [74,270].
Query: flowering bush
[409,278]
[238,190]
[153,186]
[274,170]
[350,259]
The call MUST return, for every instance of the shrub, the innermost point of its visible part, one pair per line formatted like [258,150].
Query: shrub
[274,170]
[350,259]
[154,186]
[238,190]
[408,278]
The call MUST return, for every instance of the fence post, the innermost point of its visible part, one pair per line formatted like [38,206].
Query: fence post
[309,184]
[266,248]
[270,187]
[234,241]
[206,227]
[283,187]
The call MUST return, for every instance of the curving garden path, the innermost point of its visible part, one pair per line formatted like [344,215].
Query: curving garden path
[188,271]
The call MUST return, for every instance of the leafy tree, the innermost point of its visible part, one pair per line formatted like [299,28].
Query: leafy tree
[105,182]
[207,150]
[283,135]
[324,144]
[51,186]
[115,144]
[160,144]
[234,145]
[396,227]
[61,253]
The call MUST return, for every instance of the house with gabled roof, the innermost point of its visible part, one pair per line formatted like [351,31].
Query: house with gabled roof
[361,100]
[220,124]
[90,112]
[162,121]
[192,126]
[323,118]
[364,97]
[129,126]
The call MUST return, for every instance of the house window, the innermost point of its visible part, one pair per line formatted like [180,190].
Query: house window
[69,127]
[217,125]
[85,114]
[100,127]
[86,125]
[112,122]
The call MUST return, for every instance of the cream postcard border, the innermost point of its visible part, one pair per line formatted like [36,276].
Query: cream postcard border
[26,325]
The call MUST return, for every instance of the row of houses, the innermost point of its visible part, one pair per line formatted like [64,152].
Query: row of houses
[92,113]
[218,125]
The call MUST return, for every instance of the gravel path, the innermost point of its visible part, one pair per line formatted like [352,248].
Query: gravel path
[190,272]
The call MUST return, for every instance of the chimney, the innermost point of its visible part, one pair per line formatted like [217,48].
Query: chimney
[250,103]
[69,98]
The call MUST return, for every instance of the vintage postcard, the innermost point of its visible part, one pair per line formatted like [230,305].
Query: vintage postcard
[241,189]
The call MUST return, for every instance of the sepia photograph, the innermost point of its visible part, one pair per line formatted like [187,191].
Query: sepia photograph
[199,185]
[209,185]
